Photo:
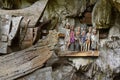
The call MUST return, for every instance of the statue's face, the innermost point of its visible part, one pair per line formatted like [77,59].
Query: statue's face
[72,28]
[90,29]
[94,32]
[78,29]
[67,26]
[83,33]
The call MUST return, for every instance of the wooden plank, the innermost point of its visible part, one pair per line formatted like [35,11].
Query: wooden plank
[4,32]
[20,63]
[80,54]
[61,35]
[5,25]
[3,47]
[15,26]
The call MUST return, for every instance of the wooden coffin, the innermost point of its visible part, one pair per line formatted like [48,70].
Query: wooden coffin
[20,63]
[34,12]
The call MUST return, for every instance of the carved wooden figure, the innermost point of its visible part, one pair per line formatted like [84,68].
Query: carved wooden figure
[94,40]
[88,40]
[72,38]
[77,39]
[67,36]
[83,40]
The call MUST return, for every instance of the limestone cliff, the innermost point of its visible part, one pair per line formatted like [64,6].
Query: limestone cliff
[104,15]
[101,15]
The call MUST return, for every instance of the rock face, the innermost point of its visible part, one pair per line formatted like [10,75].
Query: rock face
[66,11]
[16,4]
[116,4]
[107,65]
[43,74]
[101,15]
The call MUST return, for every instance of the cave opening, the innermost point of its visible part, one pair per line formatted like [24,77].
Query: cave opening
[117,77]
[86,16]
[103,33]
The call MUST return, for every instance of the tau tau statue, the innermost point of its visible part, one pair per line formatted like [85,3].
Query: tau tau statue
[80,39]
[83,40]
[94,40]
[72,38]
[88,39]
[77,39]
[67,36]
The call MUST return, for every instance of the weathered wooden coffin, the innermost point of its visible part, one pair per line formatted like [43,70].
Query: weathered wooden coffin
[20,63]
[10,26]
[34,12]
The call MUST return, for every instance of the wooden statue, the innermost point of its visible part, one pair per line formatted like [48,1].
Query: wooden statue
[88,40]
[77,39]
[67,35]
[72,38]
[94,40]
[83,40]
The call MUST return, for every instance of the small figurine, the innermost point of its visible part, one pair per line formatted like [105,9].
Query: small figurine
[77,39]
[88,39]
[83,40]
[94,40]
[67,36]
[72,38]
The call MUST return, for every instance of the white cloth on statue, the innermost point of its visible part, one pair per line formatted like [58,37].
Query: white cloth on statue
[67,35]
[94,40]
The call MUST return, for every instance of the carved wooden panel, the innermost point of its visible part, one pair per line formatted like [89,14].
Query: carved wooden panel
[5,22]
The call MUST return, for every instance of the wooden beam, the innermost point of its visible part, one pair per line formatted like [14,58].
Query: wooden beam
[14,28]
[4,32]
[79,54]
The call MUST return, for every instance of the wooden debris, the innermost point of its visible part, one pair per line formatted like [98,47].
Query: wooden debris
[20,63]
[15,27]
[23,31]
[4,32]
[61,35]
[37,31]
[79,54]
